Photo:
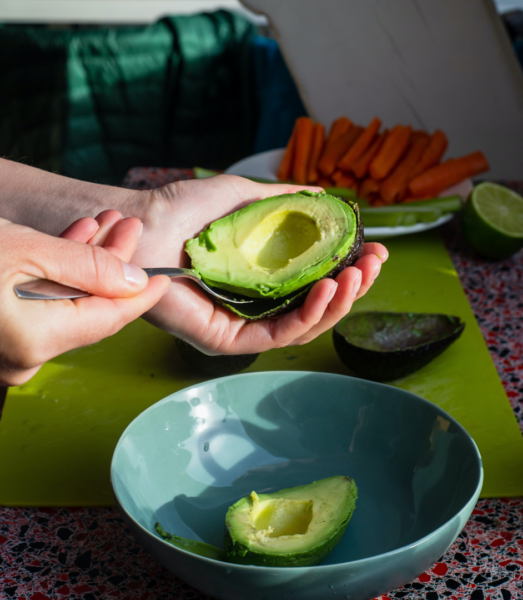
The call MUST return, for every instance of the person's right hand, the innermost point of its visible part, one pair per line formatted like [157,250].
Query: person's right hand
[34,331]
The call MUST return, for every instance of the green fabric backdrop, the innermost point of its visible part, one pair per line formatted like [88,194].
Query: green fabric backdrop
[91,103]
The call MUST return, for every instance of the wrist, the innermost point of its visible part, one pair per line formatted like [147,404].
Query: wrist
[135,203]
[48,202]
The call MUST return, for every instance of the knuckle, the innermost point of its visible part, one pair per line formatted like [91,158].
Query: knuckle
[23,352]
[216,339]
[100,262]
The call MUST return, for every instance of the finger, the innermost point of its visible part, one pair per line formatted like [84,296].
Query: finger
[69,324]
[353,283]
[283,331]
[122,239]
[214,330]
[370,267]
[377,249]
[106,220]
[81,230]
[93,319]
[89,268]
[349,282]
[252,190]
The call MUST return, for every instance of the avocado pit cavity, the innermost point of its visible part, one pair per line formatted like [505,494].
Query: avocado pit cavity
[280,238]
[279,517]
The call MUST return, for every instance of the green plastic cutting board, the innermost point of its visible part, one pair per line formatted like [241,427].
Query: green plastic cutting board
[58,431]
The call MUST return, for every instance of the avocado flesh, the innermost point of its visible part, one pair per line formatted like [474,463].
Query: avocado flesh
[384,346]
[294,527]
[274,247]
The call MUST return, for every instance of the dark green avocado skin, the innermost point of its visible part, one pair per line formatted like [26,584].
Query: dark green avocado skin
[214,366]
[389,365]
[262,309]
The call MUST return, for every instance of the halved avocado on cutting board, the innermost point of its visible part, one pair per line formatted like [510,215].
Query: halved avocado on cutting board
[294,527]
[272,251]
[383,346]
[215,366]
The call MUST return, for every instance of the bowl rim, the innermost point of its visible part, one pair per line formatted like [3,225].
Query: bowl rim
[357,562]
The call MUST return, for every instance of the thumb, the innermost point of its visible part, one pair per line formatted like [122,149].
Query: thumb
[89,268]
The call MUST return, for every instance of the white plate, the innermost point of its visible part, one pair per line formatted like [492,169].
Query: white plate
[265,165]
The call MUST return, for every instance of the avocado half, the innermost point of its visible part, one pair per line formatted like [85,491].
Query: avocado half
[294,527]
[215,366]
[272,251]
[383,346]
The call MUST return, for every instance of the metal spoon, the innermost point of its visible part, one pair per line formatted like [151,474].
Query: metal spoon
[43,289]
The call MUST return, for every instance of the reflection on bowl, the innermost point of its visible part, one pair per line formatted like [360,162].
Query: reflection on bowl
[187,458]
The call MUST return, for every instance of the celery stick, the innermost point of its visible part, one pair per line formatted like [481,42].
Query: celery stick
[396,217]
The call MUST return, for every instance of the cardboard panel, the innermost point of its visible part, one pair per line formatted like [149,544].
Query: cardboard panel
[444,64]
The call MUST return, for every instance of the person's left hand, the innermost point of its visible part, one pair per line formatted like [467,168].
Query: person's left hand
[179,211]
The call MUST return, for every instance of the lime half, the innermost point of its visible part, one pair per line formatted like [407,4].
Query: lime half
[493,220]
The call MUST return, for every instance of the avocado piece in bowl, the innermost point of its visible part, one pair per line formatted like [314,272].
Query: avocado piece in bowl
[294,527]
[383,346]
[273,250]
[215,366]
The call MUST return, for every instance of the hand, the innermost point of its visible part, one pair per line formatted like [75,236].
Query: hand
[179,211]
[33,331]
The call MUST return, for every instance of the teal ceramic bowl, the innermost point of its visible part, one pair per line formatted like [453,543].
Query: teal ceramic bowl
[187,458]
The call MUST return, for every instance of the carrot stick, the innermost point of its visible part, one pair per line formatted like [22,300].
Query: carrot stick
[285,168]
[342,179]
[394,185]
[338,128]
[360,146]
[304,135]
[444,175]
[318,142]
[337,149]
[361,167]
[433,153]
[368,188]
[391,152]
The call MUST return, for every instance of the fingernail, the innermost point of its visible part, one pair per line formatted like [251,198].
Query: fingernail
[133,274]
[357,284]
[333,291]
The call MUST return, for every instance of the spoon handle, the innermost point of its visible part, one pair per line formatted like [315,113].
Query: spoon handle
[43,289]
